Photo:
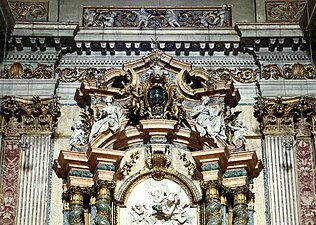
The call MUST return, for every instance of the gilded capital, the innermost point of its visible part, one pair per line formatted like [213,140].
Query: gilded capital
[285,115]
[33,115]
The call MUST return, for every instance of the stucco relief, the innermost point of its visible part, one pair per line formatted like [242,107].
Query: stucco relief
[158,202]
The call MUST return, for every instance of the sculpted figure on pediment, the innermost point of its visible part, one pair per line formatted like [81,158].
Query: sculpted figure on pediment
[209,120]
[77,137]
[110,118]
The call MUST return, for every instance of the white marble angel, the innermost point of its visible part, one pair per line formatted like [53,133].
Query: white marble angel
[110,119]
[209,120]
[77,137]
[238,130]
[143,17]
[172,18]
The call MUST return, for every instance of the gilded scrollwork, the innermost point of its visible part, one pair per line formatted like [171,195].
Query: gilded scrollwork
[34,114]
[281,11]
[127,167]
[18,71]
[187,163]
[68,75]
[242,75]
[29,11]
[157,17]
[295,71]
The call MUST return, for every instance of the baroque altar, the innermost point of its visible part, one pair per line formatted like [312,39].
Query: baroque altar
[159,142]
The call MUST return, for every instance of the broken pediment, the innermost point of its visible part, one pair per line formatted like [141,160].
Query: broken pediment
[158,87]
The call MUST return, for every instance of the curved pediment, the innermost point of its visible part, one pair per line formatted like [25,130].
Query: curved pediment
[191,83]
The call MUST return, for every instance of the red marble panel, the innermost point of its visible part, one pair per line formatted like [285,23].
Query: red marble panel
[306,183]
[9,183]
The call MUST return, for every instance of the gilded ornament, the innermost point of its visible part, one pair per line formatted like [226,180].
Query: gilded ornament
[29,11]
[18,71]
[158,162]
[187,163]
[282,115]
[127,167]
[69,75]
[242,75]
[34,114]
[295,71]
[282,11]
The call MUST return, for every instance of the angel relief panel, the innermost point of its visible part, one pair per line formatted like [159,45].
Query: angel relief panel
[162,202]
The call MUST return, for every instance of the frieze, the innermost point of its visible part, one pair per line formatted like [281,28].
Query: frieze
[235,173]
[29,11]
[242,75]
[80,173]
[34,115]
[282,115]
[68,75]
[284,11]
[104,166]
[154,17]
[27,71]
[293,71]
[210,166]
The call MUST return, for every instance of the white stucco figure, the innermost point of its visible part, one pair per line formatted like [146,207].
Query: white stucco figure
[172,18]
[209,120]
[109,20]
[77,137]
[204,18]
[142,17]
[109,119]
[238,130]
[221,16]
[88,16]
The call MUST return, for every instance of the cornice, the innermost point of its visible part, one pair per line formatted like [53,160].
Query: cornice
[45,29]
[244,37]
[268,30]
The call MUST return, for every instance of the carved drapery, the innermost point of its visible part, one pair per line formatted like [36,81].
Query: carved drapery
[284,120]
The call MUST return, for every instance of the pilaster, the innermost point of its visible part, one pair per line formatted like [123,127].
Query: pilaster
[27,125]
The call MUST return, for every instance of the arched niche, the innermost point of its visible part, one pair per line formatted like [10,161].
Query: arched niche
[173,200]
